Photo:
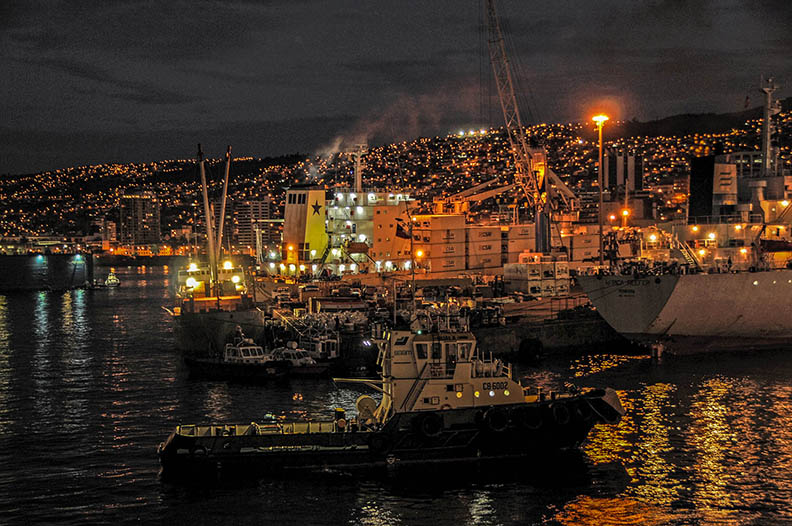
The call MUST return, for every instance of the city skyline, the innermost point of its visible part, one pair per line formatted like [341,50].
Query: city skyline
[118,82]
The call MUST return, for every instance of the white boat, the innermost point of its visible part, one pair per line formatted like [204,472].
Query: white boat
[300,362]
[698,312]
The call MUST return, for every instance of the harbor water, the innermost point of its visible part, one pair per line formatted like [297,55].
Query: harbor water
[90,384]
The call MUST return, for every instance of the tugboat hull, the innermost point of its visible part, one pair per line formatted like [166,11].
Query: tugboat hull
[518,430]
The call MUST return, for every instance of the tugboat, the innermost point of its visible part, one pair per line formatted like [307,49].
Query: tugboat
[441,401]
[112,280]
[241,360]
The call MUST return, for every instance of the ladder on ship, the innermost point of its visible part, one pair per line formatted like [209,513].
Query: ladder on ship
[686,251]
[417,389]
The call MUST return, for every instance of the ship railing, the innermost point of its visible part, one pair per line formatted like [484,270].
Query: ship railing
[724,219]
[489,367]
[308,427]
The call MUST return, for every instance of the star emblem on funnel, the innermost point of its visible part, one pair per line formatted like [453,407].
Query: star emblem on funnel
[316,207]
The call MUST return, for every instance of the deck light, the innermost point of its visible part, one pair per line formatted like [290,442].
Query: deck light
[193,267]
[476,394]
[459,394]
[191,283]
[711,235]
[234,279]
[492,393]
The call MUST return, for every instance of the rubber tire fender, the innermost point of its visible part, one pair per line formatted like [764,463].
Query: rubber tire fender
[429,425]
[380,444]
[496,419]
[560,412]
[199,451]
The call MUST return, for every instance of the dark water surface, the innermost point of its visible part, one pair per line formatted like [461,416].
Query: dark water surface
[90,384]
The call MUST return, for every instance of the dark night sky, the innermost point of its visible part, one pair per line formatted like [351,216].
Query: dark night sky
[95,81]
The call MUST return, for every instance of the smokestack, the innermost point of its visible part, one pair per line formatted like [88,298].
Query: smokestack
[361,148]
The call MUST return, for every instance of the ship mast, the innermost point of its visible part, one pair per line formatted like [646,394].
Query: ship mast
[770,109]
[208,215]
[223,205]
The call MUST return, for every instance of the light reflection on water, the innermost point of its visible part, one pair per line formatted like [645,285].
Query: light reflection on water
[5,356]
[89,384]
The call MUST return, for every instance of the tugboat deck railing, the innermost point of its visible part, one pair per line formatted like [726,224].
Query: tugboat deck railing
[253,429]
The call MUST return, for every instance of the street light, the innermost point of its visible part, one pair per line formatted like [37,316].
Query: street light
[600,120]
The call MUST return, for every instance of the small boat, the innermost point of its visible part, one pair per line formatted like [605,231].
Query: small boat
[112,280]
[240,361]
[300,361]
[441,401]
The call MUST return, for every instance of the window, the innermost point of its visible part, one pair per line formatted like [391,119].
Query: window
[448,249]
[486,234]
[486,247]
[420,351]
[451,353]
[463,351]
[437,351]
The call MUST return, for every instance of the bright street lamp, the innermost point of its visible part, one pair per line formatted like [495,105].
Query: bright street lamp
[600,120]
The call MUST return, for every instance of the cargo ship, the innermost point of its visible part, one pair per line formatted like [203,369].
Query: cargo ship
[442,400]
[698,312]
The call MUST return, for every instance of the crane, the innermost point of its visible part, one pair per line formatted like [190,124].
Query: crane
[543,189]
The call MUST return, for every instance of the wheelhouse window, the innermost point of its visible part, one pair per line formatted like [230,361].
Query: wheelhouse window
[463,350]
[420,351]
[437,351]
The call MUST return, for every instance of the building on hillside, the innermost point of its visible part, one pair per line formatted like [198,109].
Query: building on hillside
[623,169]
[252,218]
[140,218]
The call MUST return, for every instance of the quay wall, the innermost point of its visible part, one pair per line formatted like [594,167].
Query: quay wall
[28,272]
[527,340]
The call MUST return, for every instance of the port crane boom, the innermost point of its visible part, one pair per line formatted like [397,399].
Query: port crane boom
[544,190]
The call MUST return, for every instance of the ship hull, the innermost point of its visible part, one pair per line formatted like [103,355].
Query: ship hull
[520,431]
[204,334]
[698,312]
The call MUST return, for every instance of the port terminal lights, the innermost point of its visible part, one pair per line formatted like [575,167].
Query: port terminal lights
[600,120]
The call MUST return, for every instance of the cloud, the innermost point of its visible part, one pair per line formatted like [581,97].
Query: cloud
[124,89]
